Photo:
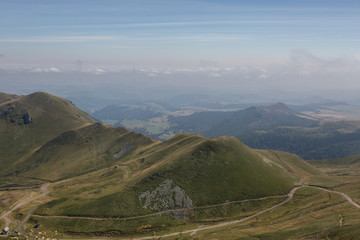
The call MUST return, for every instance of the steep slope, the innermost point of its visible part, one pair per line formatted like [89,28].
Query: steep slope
[28,122]
[82,150]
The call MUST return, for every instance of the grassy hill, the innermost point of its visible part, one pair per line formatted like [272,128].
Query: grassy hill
[28,122]
[82,150]
[180,176]
[4,97]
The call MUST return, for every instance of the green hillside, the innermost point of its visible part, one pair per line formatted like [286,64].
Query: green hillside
[349,166]
[28,122]
[83,150]
[4,97]
[178,176]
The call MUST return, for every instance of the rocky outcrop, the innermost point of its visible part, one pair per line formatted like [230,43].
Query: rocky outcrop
[124,149]
[27,118]
[7,111]
[13,114]
[168,197]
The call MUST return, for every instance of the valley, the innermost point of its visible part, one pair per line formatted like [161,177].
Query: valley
[313,131]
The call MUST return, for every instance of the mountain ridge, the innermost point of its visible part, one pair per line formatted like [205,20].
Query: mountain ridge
[260,118]
[28,122]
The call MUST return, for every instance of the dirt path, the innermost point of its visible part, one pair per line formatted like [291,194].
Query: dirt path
[5,216]
[290,195]
[342,194]
[157,213]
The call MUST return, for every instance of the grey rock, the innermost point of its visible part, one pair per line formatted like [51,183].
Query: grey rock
[166,197]
[124,149]
[27,118]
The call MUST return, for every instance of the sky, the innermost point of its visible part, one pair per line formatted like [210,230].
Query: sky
[289,43]
[176,32]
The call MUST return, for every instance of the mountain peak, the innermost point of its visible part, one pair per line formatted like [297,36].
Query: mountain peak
[278,107]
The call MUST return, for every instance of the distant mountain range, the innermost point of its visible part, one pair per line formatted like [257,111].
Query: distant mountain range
[281,128]
[276,126]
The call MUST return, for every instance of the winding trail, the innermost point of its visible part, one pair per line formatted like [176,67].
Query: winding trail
[5,216]
[342,194]
[157,213]
[290,196]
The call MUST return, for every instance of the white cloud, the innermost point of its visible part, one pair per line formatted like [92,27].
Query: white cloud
[56,39]
[177,23]
[215,75]
[54,69]
[306,63]
[42,70]
[153,75]
[302,71]
[99,71]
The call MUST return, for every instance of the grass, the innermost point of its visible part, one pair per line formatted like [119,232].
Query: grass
[160,224]
[10,198]
[349,166]
[16,181]
[106,192]
[84,150]
[222,168]
[311,214]
[50,117]
[4,97]
[344,174]
[2,223]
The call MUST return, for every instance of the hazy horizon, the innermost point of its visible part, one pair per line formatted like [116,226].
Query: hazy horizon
[303,47]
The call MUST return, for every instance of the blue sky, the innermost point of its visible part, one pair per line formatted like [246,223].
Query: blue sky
[175,32]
